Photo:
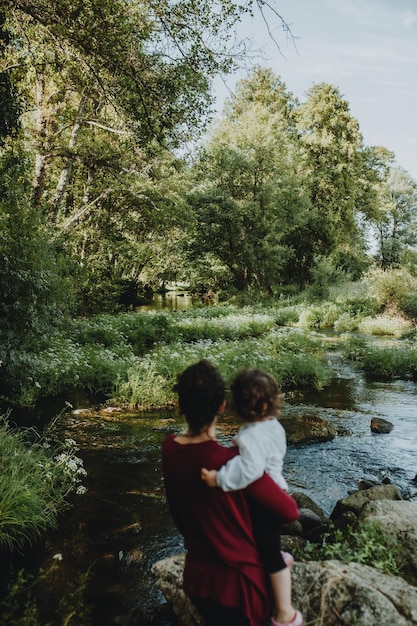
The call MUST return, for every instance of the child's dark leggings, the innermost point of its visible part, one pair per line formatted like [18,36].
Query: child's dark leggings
[267,532]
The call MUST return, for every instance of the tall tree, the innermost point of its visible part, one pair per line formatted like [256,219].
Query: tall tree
[330,143]
[396,219]
[249,197]
[110,82]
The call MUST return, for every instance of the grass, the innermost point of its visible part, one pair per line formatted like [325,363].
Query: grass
[125,356]
[37,475]
[295,359]
[364,543]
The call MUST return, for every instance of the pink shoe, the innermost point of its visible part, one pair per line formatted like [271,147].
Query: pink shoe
[297,621]
[288,558]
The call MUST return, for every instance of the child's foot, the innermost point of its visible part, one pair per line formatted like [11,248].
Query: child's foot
[297,621]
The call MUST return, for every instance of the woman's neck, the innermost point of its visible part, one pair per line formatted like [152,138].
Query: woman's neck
[209,434]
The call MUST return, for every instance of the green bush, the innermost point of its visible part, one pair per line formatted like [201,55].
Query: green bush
[37,474]
[393,325]
[319,316]
[354,347]
[294,359]
[365,543]
[388,363]
[390,287]
[287,316]
[408,305]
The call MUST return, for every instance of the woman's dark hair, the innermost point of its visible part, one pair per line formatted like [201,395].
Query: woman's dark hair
[201,391]
[255,394]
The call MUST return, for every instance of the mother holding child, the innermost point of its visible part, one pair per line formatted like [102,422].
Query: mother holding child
[229,503]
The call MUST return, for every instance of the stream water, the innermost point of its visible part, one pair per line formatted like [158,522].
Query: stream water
[121,526]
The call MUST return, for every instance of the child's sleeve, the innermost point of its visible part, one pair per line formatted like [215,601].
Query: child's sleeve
[246,467]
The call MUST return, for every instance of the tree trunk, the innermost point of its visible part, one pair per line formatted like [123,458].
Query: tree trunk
[66,171]
[40,157]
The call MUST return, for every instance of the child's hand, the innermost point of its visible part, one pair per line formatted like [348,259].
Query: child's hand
[209,477]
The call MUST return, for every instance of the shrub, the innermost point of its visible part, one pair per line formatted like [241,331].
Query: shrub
[294,359]
[387,363]
[384,325]
[346,323]
[364,543]
[287,316]
[390,287]
[354,347]
[409,305]
[319,316]
[37,474]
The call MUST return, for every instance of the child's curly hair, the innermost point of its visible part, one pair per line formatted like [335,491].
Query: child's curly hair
[255,394]
[201,391]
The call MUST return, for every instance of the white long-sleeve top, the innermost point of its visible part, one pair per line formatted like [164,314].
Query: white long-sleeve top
[262,447]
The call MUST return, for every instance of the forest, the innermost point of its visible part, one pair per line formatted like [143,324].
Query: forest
[116,182]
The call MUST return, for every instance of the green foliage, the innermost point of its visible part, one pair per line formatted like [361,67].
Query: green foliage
[20,604]
[383,363]
[319,316]
[19,607]
[409,305]
[354,347]
[394,325]
[37,475]
[140,331]
[323,274]
[364,543]
[32,296]
[390,287]
[395,217]
[246,197]
[287,316]
[389,363]
[294,359]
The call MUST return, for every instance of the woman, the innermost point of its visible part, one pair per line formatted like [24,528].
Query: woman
[223,573]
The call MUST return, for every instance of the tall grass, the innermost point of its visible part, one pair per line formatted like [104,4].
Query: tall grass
[121,351]
[37,475]
[295,359]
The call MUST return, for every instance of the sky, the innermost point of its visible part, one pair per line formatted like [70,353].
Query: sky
[366,48]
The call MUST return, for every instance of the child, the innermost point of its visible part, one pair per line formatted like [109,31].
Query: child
[262,445]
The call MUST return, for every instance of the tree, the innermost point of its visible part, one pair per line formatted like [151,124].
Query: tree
[9,98]
[249,198]
[110,85]
[396,219]
[330,146]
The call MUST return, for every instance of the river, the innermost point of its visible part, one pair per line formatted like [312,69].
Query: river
[121,525]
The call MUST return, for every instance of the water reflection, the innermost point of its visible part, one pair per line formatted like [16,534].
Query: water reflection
[170,301]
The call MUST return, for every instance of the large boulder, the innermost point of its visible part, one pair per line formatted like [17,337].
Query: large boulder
[399,521]
[168,575]
[355,502]
[327,592]
[335,593]
[307,428]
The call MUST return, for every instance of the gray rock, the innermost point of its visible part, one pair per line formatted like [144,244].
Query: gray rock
[327,592]
[168,575]
[399,521]
[357,500]
[307,428]
[342,594]
[380,426]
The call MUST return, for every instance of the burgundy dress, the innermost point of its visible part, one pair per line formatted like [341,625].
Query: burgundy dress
[222,560]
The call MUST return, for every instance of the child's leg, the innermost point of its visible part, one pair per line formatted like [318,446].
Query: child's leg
[281,590]
[268,539]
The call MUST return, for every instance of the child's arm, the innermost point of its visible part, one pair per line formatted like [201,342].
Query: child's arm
[209,477]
